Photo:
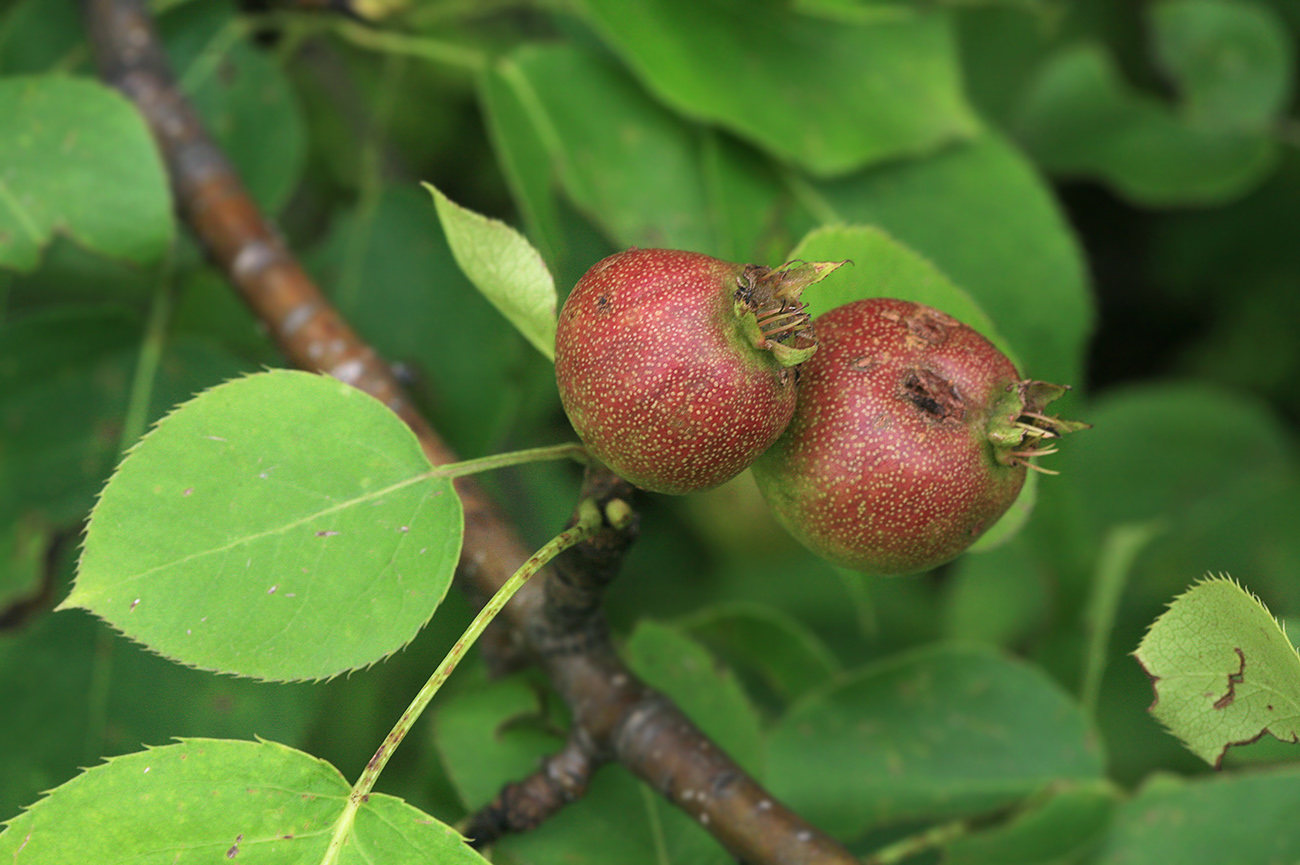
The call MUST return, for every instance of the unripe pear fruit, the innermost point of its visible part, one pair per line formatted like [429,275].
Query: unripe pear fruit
[677,369]
[911,437]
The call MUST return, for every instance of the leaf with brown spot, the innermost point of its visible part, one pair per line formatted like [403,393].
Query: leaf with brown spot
[1223,670]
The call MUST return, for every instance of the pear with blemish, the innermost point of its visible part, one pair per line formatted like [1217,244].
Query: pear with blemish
[911,437]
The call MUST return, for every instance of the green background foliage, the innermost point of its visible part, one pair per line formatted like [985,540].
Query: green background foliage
[1111,190]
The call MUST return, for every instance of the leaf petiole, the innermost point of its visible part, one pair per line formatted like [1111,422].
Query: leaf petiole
[588,523]
[568,450]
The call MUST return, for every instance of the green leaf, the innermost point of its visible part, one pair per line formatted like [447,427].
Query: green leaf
[827,95]
[281,526]
[1234,69]
[1120,482]
[983,216]
[64,375]
[766,645]
[51,666]
[881,266]
[1221,820]
[494,733]
[1080,119]
[1051,829]
[563,114]
[706,691]
[81,162]
[1233,61]
[389,270]
[943,732]
[205,800]
[505,267]
[1224,672]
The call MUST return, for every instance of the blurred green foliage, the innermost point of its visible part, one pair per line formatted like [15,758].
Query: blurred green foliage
[1115,185]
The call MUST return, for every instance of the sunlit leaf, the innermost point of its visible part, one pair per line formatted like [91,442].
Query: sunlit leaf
[210,800]
[505,267]
[1224,672]
[279,526]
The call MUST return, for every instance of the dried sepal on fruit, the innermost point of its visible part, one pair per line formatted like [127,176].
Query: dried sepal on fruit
[677,369]
[911,437]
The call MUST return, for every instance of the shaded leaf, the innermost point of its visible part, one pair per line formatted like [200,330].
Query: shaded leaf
[1051,829]
[388,268]
[1221,820]
[828,95]
[567,116]
[766,644]
[82,163]
[204,800]
[1224,672]
[503,265]
[51,666]
[1233,67]
[709,694]
[938,733]
[494,734]
[1232,61]
[279,526]
[1080,118]
[983,216]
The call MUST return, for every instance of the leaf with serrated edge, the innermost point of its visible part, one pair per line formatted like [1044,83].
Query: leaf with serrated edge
[1223,671]
[281,526]
[505,267]
[207,800]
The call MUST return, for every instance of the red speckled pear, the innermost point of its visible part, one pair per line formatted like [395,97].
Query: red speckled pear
[911,437]
[676,369]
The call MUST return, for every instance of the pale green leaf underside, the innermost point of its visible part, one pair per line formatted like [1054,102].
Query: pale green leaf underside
[213,800]
[280,526]
[1223,670]
[505,267]
[77,158]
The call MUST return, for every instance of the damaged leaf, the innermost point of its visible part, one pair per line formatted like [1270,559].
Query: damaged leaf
[1223,670]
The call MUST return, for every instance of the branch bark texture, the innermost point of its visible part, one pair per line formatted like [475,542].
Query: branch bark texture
[558,614]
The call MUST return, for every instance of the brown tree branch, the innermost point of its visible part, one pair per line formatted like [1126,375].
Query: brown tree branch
[616,714]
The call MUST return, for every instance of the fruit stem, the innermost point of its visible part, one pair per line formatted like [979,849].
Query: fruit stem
[588,523]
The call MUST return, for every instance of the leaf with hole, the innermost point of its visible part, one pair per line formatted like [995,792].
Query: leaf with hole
[1223,671]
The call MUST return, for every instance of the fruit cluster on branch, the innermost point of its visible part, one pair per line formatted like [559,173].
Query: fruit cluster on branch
[886,436]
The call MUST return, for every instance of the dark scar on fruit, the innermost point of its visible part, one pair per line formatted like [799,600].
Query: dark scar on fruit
[602,303]
[933,394]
